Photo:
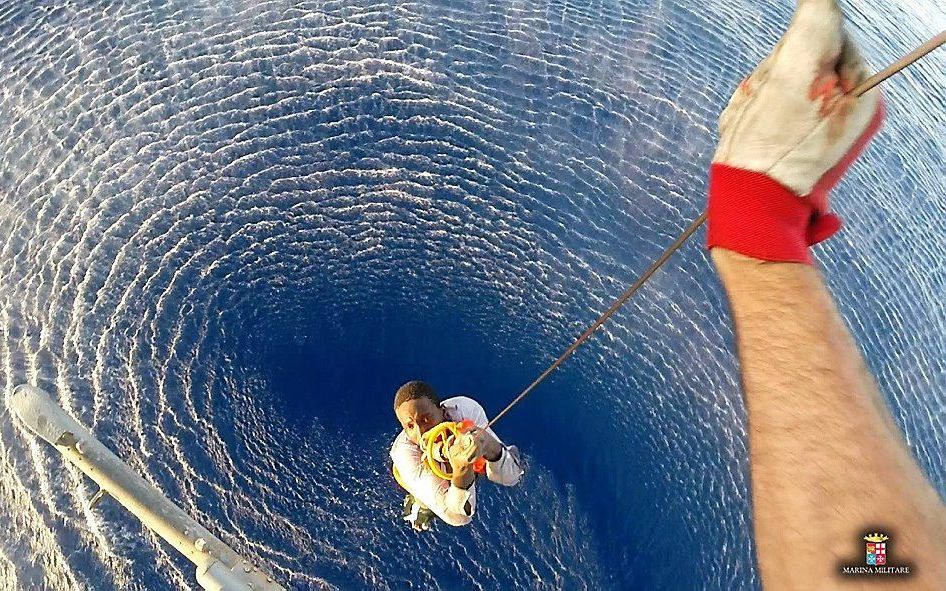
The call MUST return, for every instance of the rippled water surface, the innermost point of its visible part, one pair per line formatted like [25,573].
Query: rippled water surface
[228,231]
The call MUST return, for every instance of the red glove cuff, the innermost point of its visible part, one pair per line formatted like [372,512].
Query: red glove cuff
[755,215]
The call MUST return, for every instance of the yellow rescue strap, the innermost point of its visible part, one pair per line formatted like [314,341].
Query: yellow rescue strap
[438,438]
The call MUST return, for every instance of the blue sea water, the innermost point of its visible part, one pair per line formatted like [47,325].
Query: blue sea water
[230,230]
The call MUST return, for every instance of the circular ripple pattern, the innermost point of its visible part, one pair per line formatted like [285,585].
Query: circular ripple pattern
[230,230]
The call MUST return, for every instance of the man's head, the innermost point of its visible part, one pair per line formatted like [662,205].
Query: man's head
[418,409]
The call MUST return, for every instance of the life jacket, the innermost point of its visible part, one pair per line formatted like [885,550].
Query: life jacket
[397,477]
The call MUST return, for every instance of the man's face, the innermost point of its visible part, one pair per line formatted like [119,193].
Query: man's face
[418,416]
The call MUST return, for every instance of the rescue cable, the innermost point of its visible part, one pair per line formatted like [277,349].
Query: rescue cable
[861,88]
[439,435]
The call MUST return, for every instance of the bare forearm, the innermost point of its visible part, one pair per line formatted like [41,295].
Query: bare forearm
[463,478]
[827,459]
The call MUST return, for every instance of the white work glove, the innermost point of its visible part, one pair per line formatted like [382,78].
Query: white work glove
[787,136]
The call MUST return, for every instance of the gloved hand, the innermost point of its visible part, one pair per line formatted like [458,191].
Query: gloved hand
[487,444]
[787,136]
[461,451]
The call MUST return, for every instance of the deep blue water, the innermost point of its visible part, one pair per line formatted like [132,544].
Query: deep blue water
[230,231]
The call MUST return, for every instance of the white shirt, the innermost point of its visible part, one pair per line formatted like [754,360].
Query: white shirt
[454,505]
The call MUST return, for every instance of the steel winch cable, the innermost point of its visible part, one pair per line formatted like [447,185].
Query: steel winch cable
[860,89]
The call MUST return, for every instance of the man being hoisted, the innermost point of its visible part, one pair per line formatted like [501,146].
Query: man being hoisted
[452,499]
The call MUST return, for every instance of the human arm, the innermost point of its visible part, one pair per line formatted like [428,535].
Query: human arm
[453,501]
[503,464]
[827,460]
